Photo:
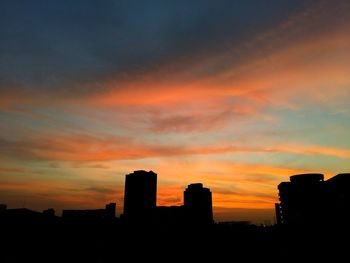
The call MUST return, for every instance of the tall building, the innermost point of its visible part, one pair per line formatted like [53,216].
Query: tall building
[301,199]
[140,196]
[309,200]
[198,204]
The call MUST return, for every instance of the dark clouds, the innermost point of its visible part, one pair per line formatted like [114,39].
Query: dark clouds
[55,44]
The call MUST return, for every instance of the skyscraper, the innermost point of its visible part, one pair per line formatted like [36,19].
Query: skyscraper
[140,195]
[302,199]
[198,204]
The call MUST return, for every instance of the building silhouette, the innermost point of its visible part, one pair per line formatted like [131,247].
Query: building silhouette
[310,200]
[198,205]
[110,210]
[278,214]
[87,215]
[140,196]
[49,212]
[20,216]
[301,199]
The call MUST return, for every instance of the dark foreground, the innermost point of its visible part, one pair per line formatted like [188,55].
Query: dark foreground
[58,241]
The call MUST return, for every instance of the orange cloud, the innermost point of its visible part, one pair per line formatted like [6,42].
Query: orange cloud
[286,64]
[305,59]
[84,148]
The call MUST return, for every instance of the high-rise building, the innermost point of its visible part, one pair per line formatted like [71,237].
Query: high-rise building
[309,200]
[301,199]
[140,196]
[198,204]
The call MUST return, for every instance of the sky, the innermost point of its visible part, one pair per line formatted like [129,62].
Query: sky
[237,95]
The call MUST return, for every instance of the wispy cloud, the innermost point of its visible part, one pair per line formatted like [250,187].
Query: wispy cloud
[85,148]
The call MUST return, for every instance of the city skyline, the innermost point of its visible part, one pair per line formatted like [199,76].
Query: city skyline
[311,212]
[307,200]
[237,95]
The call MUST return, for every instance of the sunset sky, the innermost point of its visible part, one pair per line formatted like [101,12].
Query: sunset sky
[238,95]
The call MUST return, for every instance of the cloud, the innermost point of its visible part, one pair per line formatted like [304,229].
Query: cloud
[245,201]
[100,190]
[85,41]
[169,201]
[254,215]
[92,149]
[10,170]
[191,123]
[268,69]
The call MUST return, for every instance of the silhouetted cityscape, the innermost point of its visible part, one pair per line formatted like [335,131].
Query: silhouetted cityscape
[310,210]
